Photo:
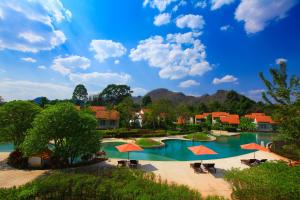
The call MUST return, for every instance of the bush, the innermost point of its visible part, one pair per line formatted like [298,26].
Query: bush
[112,184]
[291,151]
[16,159]
[198,137]
[268,181]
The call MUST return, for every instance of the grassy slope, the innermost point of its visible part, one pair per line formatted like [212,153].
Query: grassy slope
[147,142]
[197,136]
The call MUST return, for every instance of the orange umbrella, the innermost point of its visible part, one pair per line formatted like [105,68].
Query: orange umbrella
[129,147]
[254,146]
[202,150]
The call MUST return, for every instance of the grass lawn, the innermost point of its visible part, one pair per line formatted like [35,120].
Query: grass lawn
[198,136]
[147,142]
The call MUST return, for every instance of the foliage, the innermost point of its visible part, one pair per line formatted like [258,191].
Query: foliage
[147,142]
[282,90]
[246,124]
[80,94]
[64,128]
[114,94]
[267,181]
[110,184]
[160,115]
[15,118]
[198,137]
[126,111]
[17,159]
[1,100]
[285,92]
[146,100]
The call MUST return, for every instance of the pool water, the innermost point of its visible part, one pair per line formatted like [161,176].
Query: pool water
[177,150]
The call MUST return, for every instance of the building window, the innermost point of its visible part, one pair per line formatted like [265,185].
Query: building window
[112,123]
[102,122]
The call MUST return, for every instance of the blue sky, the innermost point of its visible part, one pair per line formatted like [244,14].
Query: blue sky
[192,46]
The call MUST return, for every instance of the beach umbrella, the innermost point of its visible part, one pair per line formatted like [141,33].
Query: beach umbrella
[128,148]
[254,146]
[202,150]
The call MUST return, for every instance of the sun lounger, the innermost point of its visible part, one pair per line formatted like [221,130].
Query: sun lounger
[210,167]
[122,163]
[263,160]
[197,167]
[249,162]
[133,163]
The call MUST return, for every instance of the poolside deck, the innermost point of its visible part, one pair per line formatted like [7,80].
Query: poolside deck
[172,171]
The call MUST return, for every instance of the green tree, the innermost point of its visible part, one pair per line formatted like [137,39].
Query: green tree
[80,94]
[16,118]
[236,103]
[282,89]
[246,124]
[114,94]
[126,111]
[146,100]
[71,132]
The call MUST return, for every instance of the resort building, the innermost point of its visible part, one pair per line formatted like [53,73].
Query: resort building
[107,119]
[261,121]
[185,120]
[233,120]
[201,118]
[218,115]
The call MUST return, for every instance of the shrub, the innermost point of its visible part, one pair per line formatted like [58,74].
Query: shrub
[112,184]
[16,159]
[198,137]
[268,181]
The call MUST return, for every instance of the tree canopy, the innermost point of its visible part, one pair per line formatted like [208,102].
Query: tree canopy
[114,94]
[146,100]
[71,132]
[15,118]
[282,89]
[80,94]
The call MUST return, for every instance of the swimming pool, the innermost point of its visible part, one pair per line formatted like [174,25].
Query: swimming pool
[176,149]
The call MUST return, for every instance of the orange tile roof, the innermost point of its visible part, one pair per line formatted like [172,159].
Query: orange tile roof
[108,115]
[260,118]
[97,108]
[230,119]
[219,114]
[202,116]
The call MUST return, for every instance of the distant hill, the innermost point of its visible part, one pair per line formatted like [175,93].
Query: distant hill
[178,97]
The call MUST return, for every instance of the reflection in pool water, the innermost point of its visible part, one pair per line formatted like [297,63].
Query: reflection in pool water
[177,149]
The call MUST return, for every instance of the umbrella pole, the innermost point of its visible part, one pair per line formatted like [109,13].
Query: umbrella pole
[128,155]
[254,154]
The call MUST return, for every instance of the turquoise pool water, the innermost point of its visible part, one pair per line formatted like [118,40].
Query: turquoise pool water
[177,149]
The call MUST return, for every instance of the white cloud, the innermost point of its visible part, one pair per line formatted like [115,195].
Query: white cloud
[2,70]
[117,62]
[190,21]
[139,91]
[29,59]
[37,30]
[65,65]
[161,5]
[225,28]
[188,83]
[180,4]
[257,14]
[256,92]
[280,60]
[42,67]
[104,49]
[225,79]
[100,79]
[216,4]
[177,56]
[162,19]
[200,4]
[24,90]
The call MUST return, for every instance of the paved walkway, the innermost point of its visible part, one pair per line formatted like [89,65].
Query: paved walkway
[10,177]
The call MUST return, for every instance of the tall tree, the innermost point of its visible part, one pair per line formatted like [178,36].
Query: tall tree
[15,118]
[114,94]
[281,89]
[126,111]
[80,94]
[1,100]
[146,100]
[71,132]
